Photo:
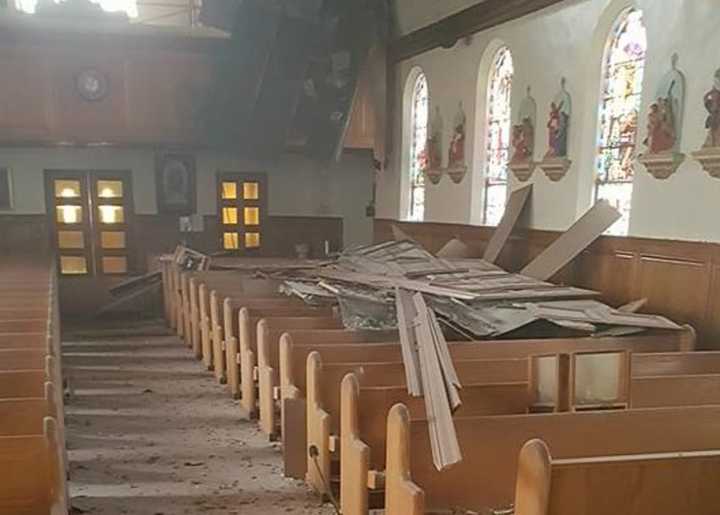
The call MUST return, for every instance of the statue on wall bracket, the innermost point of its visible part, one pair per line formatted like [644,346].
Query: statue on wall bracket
[555,164]
[433,170]
[457,169]
[709,154]
[523,139]
[664,126]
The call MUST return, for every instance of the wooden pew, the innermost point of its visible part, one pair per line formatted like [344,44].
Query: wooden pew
[675,363]
[216,327]
[223,284]
[33,482]
[646,484]
[269,366]
[675,390]
[485,478]
[245,327]
[24,415]
[293,358]
[27,325]
[22,359]
[269,330]
[489,387]
[23,314]
[656,380]
[22,383]
[32,444]
[37,340]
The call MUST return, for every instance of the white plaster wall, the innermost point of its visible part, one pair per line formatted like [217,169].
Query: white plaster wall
[298,186]
[415,14]
[569,41]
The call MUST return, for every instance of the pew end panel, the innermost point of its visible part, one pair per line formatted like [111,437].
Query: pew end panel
[402,496]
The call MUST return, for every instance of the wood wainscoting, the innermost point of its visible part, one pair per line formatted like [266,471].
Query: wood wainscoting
[681,279]
[159,234]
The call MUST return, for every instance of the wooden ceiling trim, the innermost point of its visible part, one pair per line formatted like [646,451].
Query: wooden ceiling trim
[446,32]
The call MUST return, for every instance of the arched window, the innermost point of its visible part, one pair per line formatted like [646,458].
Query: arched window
[497,142]
[621,96]
[418,140]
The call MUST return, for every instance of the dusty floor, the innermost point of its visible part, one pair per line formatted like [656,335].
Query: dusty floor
[151,433]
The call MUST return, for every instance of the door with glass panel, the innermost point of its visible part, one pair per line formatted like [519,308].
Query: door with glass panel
[242,208]
[90,214]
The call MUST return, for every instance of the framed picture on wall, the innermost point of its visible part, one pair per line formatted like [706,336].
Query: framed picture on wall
[5,189]
[175,183]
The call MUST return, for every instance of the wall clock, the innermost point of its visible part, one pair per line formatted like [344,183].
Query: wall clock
[92,84]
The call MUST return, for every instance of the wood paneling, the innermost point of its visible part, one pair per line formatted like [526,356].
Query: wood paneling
[680,279]
[155,95]
[361,130]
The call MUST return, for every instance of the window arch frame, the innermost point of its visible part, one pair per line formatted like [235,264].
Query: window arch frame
[414,180]
[627,146]
[499,54]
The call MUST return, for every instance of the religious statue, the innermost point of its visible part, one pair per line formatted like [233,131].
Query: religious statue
[661,128]
[709,154]
[664,126]
[433,148]
[523,133]
[555,163]
[559,122]
[456,153]
[457,169]
[712,122]
[666,113]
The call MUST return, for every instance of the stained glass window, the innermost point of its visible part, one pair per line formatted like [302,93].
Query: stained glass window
[623,69]
[498,136]
[419,129]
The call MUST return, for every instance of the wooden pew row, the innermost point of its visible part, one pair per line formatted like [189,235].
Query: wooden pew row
[492,386]
[293,358]
[216,324]
[269,358]
[646,484]
[240,328]
[268,330]
[367,414]
[491,445]
[222,283]
[245,329]
[32,444]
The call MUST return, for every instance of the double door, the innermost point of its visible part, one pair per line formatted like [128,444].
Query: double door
[90,215]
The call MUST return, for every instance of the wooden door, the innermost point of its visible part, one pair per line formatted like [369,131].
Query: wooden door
[242,211]
[90,216]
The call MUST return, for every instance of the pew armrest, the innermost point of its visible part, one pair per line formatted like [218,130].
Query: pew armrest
[376,480]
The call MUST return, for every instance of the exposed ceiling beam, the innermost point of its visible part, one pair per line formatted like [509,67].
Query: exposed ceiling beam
[446,32]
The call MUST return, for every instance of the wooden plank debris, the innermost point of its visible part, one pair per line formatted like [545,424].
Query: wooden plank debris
[515,206]
[441,395]
[634,306]
[399,234]
[572,242]
[406,314]
[454,249]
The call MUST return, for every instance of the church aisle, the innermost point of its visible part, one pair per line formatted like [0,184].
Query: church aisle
[150,433]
